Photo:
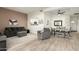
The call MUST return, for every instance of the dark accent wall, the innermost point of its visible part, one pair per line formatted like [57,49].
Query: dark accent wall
[6,14]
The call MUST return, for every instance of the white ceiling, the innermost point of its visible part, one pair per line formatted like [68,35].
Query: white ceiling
[26,9]
[52,10]
[31,9]
[68,10]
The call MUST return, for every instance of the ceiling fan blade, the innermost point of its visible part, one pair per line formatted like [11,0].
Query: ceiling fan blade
[60,12]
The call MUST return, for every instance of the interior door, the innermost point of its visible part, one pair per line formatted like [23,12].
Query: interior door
[78,26]
[73,23]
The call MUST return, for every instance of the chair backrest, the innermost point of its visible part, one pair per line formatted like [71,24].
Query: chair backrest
[46,29]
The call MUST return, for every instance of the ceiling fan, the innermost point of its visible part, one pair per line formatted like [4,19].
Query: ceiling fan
[60,12]
[41,10]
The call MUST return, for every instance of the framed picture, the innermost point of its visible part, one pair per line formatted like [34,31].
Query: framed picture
[13,22]
[58,23]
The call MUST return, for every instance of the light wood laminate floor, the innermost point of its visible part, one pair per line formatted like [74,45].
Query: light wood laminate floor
[57,43]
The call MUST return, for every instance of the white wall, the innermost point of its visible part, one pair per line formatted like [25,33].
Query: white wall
[35,16]
[75,26]
[78,24]
[65,20]
[46,18]
[52,17]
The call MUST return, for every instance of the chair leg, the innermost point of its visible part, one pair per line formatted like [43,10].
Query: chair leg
[64,34]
